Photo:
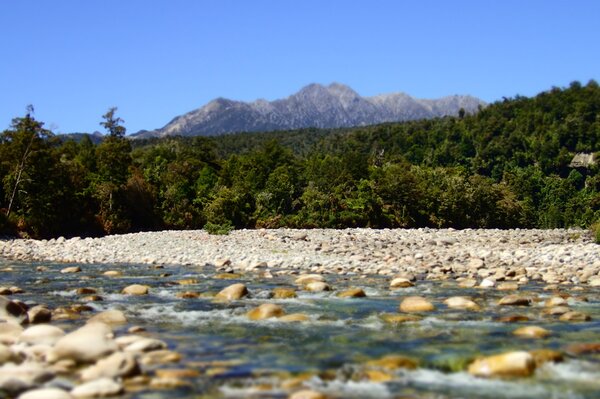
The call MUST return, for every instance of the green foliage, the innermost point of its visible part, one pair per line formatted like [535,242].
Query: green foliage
[218,229]
[506,166]
[595,229]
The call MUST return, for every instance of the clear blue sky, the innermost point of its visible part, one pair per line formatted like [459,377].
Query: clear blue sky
[73,59]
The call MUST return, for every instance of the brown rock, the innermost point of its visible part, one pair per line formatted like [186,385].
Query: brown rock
[541,356]
[309,278]
[461,302]
[393,362]
[39,314]
[400,282]
[228,276]
[515,318]
[111,317]
[394,318]
[352,293]
[136,289]
[187,295]
[265,311]
[416,304]
[515,300]
[232,292]
[284,293]
[177,373]
[531,332]
[510,364]
[294,318]
[583,349]
[85,291]
[317,286]
[574,316]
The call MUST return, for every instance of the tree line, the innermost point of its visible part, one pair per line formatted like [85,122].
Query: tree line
[506,166]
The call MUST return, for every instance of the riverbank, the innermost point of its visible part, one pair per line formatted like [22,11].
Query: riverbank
[552,256]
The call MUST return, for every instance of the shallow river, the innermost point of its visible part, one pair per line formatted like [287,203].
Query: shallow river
[239,358]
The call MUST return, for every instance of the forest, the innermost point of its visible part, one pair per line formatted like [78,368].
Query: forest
[507,166]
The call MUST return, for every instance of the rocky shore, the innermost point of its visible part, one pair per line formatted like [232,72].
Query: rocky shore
[538,279]
[553,256]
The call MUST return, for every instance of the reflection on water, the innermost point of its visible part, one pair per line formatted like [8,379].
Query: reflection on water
[237,357]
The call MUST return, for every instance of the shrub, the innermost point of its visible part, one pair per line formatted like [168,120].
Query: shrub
[218,229]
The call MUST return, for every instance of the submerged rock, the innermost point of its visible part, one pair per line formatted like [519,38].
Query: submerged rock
[265,311]
[531,332]
[136,289]
[401,282]
[284,293]
[515,300]
[352,293]
[461,302]
[510,364]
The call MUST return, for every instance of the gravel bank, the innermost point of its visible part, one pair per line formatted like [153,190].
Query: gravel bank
[554,256]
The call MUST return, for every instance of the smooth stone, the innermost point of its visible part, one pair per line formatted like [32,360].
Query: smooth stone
[487,283]
[100,388]
[168,383]
[39,314]
[284,293]
[72,269]
[401,282]
[42,334]
[136,289]
[228,276]
[187,295]
[160,357]
[85,345]
[594,282]
[556,310]
[176,373]
[467,283]
[461,302]
[307,394]
[510,364]
[46,393]
[145,345]
[111,317]
[232,292]
[309,278]
[317,286]
[12,312]
[5,354]
[541,356]
[294,318]
[507,286]
[265,311]
[117,365]
[575,316]
[393,362]
[555,301]
[92,298]
[352,293]
[515,300]
[416,304]
[25,375]
[9,333]
[394,318]
[531,332]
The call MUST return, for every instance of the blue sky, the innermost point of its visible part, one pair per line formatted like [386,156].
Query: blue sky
[157,59]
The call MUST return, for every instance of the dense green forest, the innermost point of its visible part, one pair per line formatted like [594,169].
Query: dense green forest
[506,166]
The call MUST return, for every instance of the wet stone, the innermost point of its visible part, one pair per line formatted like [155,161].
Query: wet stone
[416,304]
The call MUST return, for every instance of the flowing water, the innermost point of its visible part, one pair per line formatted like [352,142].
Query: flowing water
[239,358]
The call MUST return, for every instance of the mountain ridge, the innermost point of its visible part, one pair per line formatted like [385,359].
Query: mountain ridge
[315,105]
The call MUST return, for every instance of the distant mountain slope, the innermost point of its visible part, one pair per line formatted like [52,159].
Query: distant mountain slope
[315,105]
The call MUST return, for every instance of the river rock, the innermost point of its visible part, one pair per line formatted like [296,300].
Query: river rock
[160,357]
[416,304]
[5,354]
[111,317]
[515,300]
[100,388]
[232,292]
[307,394]
[39,314]
[461,302]
[46,393]
[112,273]
[294,318]
[317,286]
[510,364]
[400,282]
[9,333]
[144,344]
[136,289]
[467,283]
[394,318]
[41,334]
[531,332]
[507,286]
[575,316]
[393,362]
[85,345]
[309,278]
[17,378]
[265,311]
[555,301]
[352,293]
[541,356]
[12,312]
[284,293]
[117,365]
[71,269]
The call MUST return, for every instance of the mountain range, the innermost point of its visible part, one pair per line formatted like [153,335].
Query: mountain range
[315,105]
